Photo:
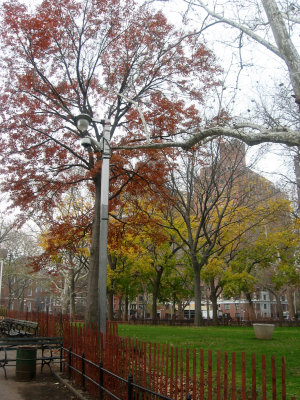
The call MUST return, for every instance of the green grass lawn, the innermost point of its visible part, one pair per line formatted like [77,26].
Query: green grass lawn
[285,342]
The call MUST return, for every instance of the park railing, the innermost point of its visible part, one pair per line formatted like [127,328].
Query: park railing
[176,372]
[104,383]
[160,368]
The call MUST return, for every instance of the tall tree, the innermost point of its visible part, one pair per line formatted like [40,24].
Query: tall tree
[65,241]
[271,258]
[101,58]
[227,270]
[210,193]
[17,273]
[142,248]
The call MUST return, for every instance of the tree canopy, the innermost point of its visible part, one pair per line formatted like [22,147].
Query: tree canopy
[123,61]
[101,58]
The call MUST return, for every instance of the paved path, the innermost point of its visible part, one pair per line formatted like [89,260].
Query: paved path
[44,387]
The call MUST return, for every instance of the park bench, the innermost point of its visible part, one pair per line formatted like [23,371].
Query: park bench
[46,344]
[18,327]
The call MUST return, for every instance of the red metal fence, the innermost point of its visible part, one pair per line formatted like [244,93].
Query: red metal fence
[173,372]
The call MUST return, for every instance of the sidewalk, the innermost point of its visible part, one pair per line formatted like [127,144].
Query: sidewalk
[45,386]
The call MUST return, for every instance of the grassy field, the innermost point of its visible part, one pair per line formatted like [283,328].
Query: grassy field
[285,342]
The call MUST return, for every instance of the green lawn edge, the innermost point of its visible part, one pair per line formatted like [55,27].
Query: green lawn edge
[285,342]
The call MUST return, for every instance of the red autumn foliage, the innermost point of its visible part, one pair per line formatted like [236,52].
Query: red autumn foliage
[66,57]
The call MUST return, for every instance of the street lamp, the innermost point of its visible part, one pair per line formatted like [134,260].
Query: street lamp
[83,122]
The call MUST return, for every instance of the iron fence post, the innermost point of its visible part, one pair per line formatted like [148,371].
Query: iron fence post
[61,359]
[82,372]
[100,380]
[130,387]
[70,362]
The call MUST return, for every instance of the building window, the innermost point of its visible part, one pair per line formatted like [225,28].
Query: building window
[227,306]
[265,306]
[29,292]
[265,297]
[141,298]
[29,306]
[237,306]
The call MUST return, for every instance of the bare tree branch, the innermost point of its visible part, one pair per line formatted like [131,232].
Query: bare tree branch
[242,28]
[249,133]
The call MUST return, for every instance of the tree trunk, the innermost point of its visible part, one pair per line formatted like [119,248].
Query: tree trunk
[279,306]
[285,46]
[197,290]
[120,308]
[291,305]
[214,301]
[159,271]
[207,306]
[174,309]
[64,296]
[252,315]
[110,298]
[10,303]
[297,175]
[180,310]
[72,293]
[125,315]
[91,315]
[10,295]
[296,302]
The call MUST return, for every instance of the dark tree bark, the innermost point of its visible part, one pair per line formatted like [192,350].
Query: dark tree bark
[252,315]
[156,284]
[214,301]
